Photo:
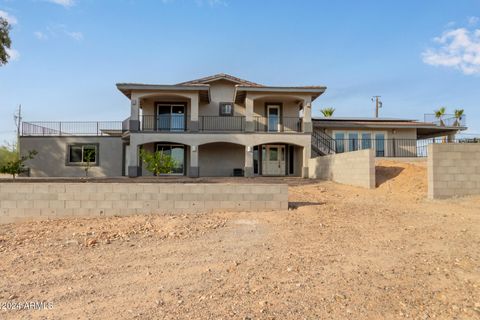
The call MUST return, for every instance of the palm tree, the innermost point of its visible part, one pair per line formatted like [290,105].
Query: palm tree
[327,112]
[458,117]
[439,114]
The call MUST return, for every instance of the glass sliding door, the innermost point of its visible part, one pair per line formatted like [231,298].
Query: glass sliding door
[339,142]
[366,140]
[380,145]
[170,117]
[353,141]
[177,152]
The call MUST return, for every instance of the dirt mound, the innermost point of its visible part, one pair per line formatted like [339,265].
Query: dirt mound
[401,178]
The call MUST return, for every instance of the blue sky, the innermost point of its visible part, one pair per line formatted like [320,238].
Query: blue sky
[68,54]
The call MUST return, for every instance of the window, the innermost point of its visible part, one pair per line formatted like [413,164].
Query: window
[366,140]
[79,154]
[226,108]
[339,142]
[177,152]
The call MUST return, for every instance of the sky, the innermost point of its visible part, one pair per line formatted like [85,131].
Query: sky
[67,55]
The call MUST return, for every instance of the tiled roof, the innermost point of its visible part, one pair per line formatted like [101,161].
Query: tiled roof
[220,76]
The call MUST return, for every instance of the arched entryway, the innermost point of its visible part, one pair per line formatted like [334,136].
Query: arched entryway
[221,159]
[277,159]
[179,152]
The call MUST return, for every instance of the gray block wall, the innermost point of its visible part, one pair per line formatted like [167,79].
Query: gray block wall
[453,170]
[23,201]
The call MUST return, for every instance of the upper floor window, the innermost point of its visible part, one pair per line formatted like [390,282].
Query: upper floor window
[79,154]
[226,108]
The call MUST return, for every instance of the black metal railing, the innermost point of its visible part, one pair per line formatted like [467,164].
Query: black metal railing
[171,122]
[221,123]
[447,120]
[322,143]
[396,148]
[71,128]
[280,124]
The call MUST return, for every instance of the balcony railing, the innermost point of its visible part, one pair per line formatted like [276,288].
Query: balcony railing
[219,123]
[283,124]
[447,120]
[70,128]
[167,123]
[181,123]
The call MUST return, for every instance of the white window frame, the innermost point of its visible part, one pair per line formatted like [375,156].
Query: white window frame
[346,146]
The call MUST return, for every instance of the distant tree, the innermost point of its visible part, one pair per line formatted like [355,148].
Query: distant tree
[7,153]
[458,117]
[5,41]
[17,166]
[327,112]
[439,115]
[158,162]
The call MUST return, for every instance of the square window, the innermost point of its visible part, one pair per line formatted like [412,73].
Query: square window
[226,108]
[75,153]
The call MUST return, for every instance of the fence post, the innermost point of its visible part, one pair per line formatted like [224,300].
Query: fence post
[98,132]
[60,128]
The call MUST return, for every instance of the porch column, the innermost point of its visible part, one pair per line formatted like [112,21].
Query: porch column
[249,125]
[193,171]
[194,112]
[306,158]
[134,169]
[307,115]
[248,161]
[134,123]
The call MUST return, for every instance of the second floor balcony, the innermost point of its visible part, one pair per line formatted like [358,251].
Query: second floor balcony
[181,123]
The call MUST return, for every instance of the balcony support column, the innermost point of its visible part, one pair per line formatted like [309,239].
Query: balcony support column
[306,156]
[193,170]
[249,124]
[194,113]
[134,122]
[134,169]
[248,170]
[307,115]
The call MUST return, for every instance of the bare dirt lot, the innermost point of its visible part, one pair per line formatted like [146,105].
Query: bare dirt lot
[340,253]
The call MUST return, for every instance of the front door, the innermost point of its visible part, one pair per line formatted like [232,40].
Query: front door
[273,160]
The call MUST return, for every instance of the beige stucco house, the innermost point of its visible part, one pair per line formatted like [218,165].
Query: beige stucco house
[217,126]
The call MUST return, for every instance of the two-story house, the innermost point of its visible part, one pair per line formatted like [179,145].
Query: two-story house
[218,126]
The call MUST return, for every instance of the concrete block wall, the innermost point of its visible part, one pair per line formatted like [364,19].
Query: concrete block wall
[354,168]
[453,170]
[23,201]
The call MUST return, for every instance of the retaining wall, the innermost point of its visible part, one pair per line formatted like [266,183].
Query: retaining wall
[20,201]
[354,168]
[453,170]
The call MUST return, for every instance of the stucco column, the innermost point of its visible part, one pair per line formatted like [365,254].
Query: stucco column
[248,171]
[194,113]
[451,137]
[306,158]
[134,123]
[249,124]
[307,115]
[134,169]
[193,170]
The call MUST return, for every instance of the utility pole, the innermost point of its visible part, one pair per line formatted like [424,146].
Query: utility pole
[378,104]
[18,122]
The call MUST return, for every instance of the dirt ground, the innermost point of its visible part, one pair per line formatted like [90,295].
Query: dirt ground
[340,252]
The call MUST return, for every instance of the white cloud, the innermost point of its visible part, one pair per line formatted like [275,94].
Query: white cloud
[75,35]
[212,3]
[10,19]
[40,35]
[64,3]
[456,48]
[13,54]
[473,20]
